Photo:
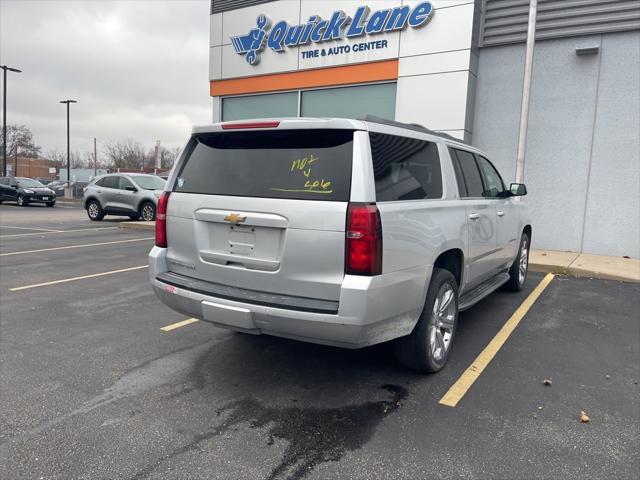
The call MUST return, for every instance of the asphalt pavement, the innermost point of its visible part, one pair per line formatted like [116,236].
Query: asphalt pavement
[91,387]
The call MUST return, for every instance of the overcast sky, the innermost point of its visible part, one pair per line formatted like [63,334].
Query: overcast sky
[138,68]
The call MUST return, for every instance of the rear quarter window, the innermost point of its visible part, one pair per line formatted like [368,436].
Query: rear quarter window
[293,164]
[405,168]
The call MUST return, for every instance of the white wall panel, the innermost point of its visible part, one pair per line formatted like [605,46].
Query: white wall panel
[215,30]
[449,29]
[437,101]
[215,63]
[434,63]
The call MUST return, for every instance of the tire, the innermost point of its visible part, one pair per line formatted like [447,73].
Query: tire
[147,212]
[51,204]
[428,347]
[520,266]
[94,211]
[22,202]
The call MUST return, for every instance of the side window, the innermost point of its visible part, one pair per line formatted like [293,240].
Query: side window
[492,179]
[462,187]
[109,182]
[405,168]
[470,172]
[124,183]
[4,181]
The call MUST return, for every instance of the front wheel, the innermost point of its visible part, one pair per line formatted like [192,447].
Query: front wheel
[520,267]
[50,204]
[428,347]
[22,202]
[148,212]
[94,211]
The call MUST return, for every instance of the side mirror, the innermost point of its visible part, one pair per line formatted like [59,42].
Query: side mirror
[518,189]
[130,188]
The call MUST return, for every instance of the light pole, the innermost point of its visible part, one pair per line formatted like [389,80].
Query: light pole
[4,117]
[68,143]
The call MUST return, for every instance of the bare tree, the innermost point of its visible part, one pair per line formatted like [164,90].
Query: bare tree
[127,153]
[56,158]
[20,141]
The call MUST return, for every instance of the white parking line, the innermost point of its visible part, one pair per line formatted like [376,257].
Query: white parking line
[29,228]
[57,231]
[74,279]
[24,252]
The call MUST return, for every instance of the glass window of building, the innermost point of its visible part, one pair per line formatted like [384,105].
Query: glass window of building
[260,106]
[350,102]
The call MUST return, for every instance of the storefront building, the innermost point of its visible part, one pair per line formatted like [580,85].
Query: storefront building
[457,66]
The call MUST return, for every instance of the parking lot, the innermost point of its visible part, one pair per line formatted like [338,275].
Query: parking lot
[93,387]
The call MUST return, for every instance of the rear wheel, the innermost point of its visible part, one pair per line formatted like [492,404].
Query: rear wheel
[148,212]
[520,266]
[94,211]
[22,202]
[427,348]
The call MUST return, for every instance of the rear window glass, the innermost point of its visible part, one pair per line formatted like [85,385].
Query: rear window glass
[472,179]
[296,164]
[405,168]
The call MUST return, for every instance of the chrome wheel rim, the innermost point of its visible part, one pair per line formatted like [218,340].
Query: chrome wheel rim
[524,261]
[442,322]
[93,210]
[147,213]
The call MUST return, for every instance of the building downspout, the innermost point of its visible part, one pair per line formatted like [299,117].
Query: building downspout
[526,91]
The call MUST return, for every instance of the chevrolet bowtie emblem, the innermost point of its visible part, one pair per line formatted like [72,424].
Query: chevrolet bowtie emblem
[234,218]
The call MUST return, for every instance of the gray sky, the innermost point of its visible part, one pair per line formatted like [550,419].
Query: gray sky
[138,68]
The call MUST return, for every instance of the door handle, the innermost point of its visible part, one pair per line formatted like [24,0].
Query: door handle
[474,216]
[500,213]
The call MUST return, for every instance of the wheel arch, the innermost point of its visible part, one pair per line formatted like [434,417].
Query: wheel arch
[453,261]
[88,199]
[143,201]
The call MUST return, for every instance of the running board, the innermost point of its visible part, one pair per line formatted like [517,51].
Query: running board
[470,298]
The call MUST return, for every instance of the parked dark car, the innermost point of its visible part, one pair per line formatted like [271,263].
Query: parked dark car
[24,191]
[59,186]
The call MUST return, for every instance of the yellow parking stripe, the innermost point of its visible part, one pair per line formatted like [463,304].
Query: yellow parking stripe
[183,323]
[46,232]
[75,246]
[74,279]
[471,374]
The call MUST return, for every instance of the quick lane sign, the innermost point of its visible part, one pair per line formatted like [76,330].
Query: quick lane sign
[338,27]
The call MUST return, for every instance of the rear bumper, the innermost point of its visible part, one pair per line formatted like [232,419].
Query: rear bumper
[370,310]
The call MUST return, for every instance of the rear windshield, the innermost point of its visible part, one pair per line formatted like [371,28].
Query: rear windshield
[296,164]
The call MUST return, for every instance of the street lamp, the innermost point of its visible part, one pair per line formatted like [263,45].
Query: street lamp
[68,148]
[4,117]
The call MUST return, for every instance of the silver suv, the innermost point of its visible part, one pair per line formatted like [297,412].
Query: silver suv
[134,195]
[336,231]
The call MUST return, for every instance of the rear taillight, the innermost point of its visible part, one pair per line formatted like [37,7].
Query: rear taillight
[364,240]
[161,220]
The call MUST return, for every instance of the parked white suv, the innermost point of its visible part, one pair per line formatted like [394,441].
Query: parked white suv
[336,231]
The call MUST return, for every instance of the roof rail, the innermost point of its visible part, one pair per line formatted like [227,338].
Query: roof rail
[409,126]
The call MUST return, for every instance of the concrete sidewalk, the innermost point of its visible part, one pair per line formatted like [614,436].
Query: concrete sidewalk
[585,265]
[564,263]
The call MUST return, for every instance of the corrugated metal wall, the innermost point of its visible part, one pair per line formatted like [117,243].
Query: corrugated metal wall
[505,21]
[218,6]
